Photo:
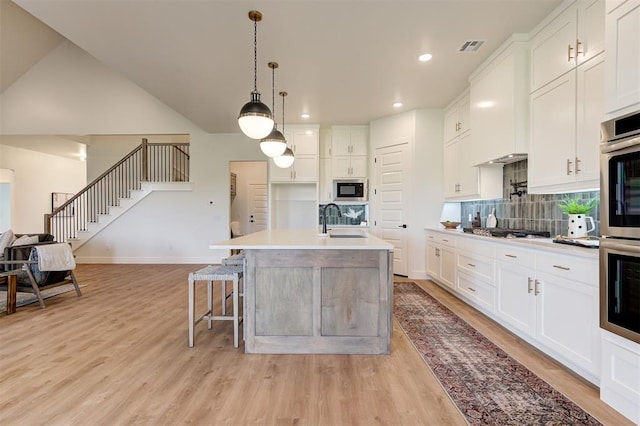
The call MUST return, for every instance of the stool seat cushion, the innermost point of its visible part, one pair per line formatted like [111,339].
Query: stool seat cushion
[217,272]
[236,259]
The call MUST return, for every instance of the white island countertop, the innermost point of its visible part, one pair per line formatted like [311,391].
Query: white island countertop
[304,239]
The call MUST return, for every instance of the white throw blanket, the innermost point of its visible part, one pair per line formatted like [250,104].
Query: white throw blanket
[55,257]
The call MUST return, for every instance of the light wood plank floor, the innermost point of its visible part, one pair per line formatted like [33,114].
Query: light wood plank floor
[119,355]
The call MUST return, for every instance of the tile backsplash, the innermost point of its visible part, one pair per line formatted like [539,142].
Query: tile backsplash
[528,211]
[352,214]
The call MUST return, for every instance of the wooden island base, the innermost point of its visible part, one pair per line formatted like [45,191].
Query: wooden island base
[335,301]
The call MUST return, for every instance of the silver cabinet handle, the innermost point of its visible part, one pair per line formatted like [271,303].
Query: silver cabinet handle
[445,241]
[569,163]
[569,57]
[471,264]
[564,268]
[537,286]
[578,44]
[529,285]
[513,256]
[472,289]
[578,161]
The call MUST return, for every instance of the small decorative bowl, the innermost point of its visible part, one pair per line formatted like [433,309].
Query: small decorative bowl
[450,225]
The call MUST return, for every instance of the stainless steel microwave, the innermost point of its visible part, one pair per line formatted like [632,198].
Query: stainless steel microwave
[350,189]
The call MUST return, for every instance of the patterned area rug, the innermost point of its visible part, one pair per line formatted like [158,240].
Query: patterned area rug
[27,298]
[488,386]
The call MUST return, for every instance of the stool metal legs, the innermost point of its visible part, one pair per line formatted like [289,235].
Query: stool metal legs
[209,274]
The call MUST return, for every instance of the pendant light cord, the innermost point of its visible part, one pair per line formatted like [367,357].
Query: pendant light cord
[273,96]
[283,113]
[255,55]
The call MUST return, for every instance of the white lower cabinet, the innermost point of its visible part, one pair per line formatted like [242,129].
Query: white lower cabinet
[567,312]
[478,291]
[548,298]
[441,259]
[516,304]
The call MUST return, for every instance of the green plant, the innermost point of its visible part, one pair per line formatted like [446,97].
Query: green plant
[570,205]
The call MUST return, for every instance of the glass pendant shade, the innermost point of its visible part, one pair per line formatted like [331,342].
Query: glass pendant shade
[255,118]
[273,145]
[285,160]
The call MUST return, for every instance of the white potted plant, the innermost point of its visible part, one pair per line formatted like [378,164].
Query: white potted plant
[577,209]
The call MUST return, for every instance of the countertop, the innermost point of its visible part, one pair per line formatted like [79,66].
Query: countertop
[302,239]
[546,243]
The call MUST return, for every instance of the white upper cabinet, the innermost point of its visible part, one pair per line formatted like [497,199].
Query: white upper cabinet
[567,105]
[574,36]
[325,143]
[349,148]
[499,102]
[461,180]
[303,141]
[623,57]
[565,131]
[457,118]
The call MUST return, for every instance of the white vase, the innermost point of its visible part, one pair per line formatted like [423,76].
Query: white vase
[578,225]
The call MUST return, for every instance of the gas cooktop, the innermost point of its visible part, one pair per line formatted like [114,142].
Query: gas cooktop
[507,233]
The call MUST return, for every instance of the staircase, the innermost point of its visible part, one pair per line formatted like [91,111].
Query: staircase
[149,167]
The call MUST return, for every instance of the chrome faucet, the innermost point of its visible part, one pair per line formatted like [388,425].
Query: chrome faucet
[324,215]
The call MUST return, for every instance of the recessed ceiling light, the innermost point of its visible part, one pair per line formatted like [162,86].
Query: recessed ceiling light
[397,104]
[308,132]
[305,115]
[425,57]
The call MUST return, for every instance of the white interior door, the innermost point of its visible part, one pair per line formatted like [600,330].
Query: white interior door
[257,207]
[392,172]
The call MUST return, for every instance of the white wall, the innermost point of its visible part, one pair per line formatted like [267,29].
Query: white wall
[35,176]
[6,198]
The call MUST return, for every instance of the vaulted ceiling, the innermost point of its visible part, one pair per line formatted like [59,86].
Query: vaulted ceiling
[343,62]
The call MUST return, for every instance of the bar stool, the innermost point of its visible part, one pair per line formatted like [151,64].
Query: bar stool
[210,274]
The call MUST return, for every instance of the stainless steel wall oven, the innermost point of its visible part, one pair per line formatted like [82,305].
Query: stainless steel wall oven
[620,177]
[620,287]
[620,226]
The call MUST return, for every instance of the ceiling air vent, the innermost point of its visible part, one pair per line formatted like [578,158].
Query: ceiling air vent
[471,45]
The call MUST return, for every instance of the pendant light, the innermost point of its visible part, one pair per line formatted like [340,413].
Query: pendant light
[255,118]
[275,143]
[286,159]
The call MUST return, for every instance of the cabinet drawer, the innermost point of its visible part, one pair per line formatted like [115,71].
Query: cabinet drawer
[476,265]
[478,245]
[516,255]
[476,290]
[571,268]
[442,239]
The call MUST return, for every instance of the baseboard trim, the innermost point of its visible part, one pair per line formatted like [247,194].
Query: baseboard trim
[149,260]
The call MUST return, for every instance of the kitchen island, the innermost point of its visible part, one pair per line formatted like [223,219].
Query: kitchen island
[311,294]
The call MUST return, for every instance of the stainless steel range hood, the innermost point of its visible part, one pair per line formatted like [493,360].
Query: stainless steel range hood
[505,159]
